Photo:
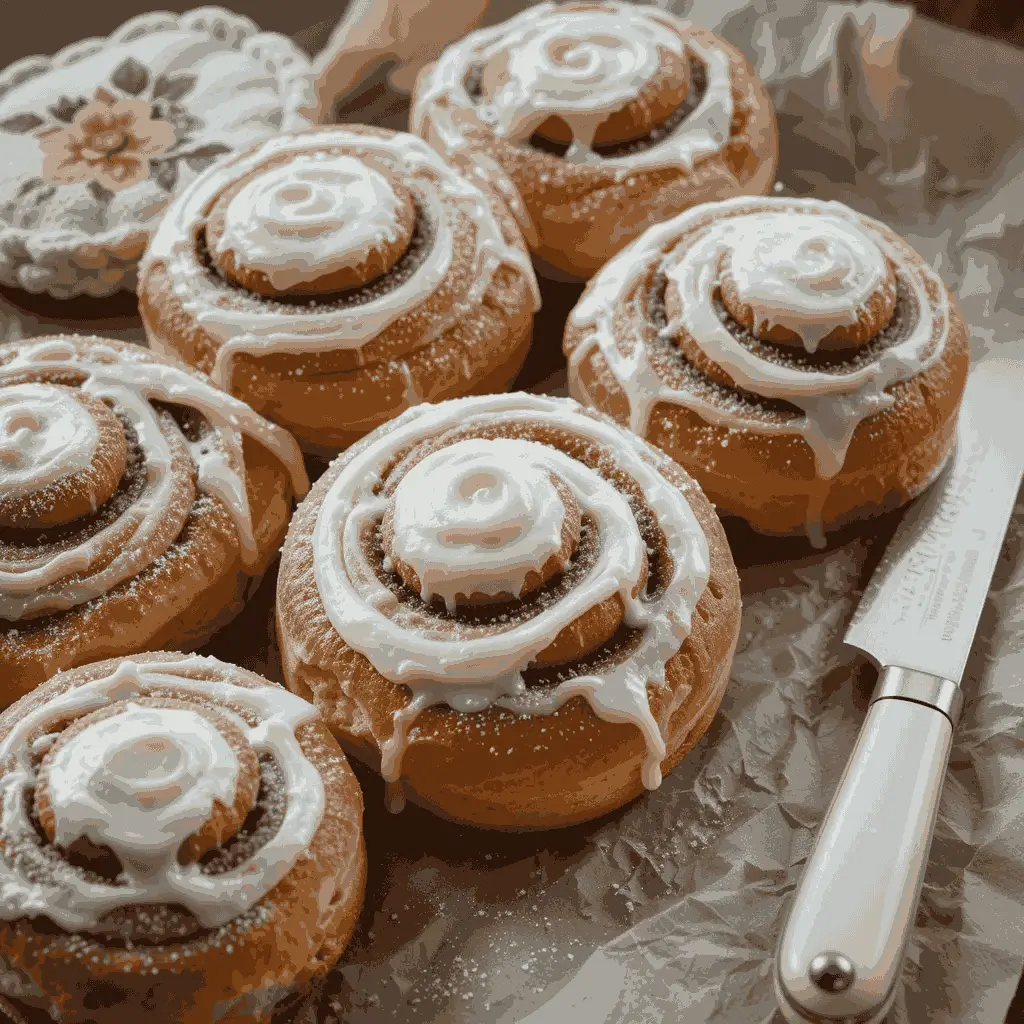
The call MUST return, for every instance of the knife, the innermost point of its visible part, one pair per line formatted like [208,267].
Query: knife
[842,949]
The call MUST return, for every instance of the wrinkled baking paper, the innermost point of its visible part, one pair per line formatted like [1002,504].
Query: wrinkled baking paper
[670,909]
[404,34]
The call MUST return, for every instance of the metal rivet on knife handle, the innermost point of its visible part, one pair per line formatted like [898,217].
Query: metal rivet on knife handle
[832,972]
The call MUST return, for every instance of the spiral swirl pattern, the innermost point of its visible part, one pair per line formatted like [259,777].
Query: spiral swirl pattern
[504,492]
[808,265]
[581,63]
[139,783]
[307,219]
[478,517]
[808,273]
[340,201]
[45,434]
[55,434]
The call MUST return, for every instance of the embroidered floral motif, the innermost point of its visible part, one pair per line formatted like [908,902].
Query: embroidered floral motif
[110,141]
[137,128]
[83,188]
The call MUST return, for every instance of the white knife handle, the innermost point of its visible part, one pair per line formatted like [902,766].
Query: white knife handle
[842,949]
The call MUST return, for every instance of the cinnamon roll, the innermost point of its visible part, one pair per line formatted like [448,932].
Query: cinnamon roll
[179,840]
[519,612]
[335,277]
[138,505]
[798,358]
[608,117]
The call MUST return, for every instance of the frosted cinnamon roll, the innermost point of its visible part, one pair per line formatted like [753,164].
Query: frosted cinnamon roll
[138,505]
[519,612]
[333,278]
[798,358]
[180,840]
[607,117]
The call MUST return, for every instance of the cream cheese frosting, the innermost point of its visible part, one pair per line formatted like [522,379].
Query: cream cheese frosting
[582,65]
[282,243]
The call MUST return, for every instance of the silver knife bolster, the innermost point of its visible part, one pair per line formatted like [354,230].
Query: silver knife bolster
[936,692]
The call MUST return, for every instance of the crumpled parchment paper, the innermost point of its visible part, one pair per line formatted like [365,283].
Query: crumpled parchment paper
[670,909]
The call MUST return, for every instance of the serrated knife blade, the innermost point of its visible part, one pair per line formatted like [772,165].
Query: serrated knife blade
[842,949]
[922,606]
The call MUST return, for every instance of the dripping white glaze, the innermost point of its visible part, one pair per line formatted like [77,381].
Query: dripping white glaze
[265,328]
[45,434]
[473,674]
[478,517]
[807,272]
[579,65]
[833,404]
[141,782]
[308,218]
[582,65]
[152,873]
[67,579]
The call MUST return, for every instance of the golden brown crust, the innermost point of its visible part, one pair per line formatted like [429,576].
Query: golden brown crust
[584,213]
[497,768]
[180,600]
[330,398]
[236,972]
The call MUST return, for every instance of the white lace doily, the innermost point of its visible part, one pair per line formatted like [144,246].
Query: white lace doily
[97,139]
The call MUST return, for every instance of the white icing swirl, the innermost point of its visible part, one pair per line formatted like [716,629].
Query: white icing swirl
[478,517]
[98,793]
[582,65]
[261,328]
[806,272]
[315,215]
[45,434]
[833,403]
[141,782]
[473,674]
[131,382]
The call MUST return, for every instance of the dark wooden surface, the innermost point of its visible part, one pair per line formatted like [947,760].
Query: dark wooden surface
[1002,19]
[44,26]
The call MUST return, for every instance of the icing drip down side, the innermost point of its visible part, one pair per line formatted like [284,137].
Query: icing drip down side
[806,265]
[506,520]
[581,65]
[139,783]
[46,434]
